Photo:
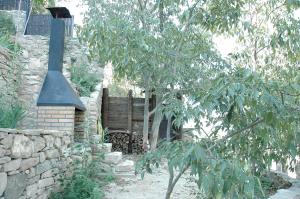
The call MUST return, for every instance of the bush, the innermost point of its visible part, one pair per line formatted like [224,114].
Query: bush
[85,183]
[7,24]
[10,115]
[84,79]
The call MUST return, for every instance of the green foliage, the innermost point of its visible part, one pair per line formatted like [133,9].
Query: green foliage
[10,115]
[249,102]
[85,79]
[217,177]
[40,5]
[87,181]
[7,24]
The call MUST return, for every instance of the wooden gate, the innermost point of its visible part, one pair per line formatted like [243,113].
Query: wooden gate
[125,115]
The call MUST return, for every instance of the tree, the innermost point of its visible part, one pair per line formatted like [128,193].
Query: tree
[251,100]
[156,44]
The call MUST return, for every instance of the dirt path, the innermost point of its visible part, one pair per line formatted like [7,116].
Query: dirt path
[153,186]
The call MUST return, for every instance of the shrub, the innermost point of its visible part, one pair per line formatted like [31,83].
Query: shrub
[84,79]
[86,182]
[10,115]
[7,24]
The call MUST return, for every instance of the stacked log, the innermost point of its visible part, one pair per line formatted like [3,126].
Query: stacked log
[137,144]
[120,141]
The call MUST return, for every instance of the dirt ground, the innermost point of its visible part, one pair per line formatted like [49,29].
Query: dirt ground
[153,186]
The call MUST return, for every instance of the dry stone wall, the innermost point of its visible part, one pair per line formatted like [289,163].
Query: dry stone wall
[34,60]
[32,161]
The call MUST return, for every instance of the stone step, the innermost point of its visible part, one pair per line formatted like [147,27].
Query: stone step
[113,157]
[130,174]
[125,166]
[101,148]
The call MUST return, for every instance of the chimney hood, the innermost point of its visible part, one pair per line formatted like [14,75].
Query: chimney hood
[56,91]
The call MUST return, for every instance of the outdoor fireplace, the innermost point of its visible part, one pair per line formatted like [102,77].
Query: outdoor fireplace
[57,102]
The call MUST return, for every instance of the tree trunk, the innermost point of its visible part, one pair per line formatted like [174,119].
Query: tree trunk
[169,128]
[156,123]
[146,114]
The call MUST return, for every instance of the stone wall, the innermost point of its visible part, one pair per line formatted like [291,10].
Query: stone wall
[86,123]
[32,161]
[34,60]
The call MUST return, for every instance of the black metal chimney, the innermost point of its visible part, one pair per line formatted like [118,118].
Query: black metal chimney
[56,90]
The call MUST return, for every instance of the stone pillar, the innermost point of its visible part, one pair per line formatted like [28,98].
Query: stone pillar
[56,118]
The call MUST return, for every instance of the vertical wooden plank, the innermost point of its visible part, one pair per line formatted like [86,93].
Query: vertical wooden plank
[105,108]
[130,113]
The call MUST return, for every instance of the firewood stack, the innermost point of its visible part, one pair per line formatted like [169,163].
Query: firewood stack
[120,141]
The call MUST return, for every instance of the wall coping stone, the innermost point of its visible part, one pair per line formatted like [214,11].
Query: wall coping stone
[35,132]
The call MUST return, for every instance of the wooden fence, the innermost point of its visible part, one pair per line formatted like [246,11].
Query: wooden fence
[15,4]
[40,24]
[126,114]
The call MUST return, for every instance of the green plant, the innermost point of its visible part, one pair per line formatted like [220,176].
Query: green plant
[10,115]
[84,79]
[87,181]
[7,24]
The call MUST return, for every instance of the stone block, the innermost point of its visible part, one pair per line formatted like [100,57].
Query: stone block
[12,165]
[39,144]
[4,160]
[50,154]
[125,166]
[3,135]
[10,173]
[3,182]
[45,182]
[50,173]
[42,157]
[7,141]
[32,190]
[49,140]
[28,163]
[15,186]
[113,157]
[57,143]
[2,152]
[43,167]
[33,180]
[22,147]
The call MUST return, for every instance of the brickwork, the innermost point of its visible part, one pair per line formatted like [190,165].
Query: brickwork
[80,126]
[56,118]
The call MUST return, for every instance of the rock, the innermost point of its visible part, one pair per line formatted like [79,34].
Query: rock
[49,141]
[126,166]
[3,182]
[15,186]
[32,190]
[22,147]
[28,163]
[3,135]
[12,165]
[113,157]
[7,141]
[50,173]
[42,157]
[5,160]
[2,152]
[39,144]
[10,173]
[45,182]
[57,143]
[45,166]
[50,154]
